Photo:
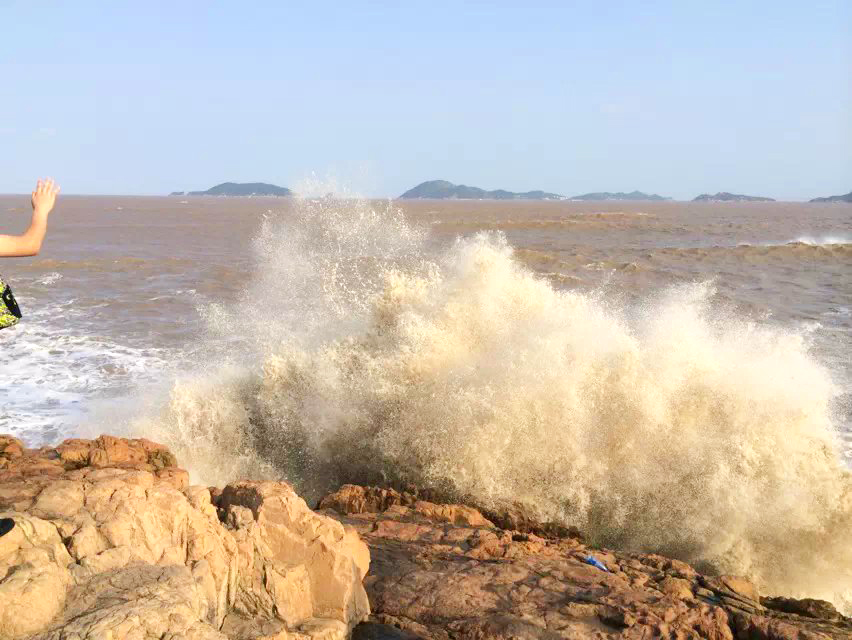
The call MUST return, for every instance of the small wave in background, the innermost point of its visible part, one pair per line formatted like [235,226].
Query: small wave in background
[824,240]
[360,351]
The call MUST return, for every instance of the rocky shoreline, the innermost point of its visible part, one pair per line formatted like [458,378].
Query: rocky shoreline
[111,541]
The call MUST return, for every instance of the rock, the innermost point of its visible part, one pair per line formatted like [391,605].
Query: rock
[709,596]
[33,563]
[176,478]
[734,592]
[321,629]
[283,526]
[516,517]
[74,453]
[379,631]
[455,514]
[110,542]
[10,448]
[805,607]
[352,498]
[434,576]
[736,604]
[31,596]
[161,458]
[428,578]
[143,601]
[677,587]
[750,627]
[741,587]
[503,626]
[115,452]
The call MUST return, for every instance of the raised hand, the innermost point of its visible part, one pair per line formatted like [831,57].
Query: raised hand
[44,196]
[29,243]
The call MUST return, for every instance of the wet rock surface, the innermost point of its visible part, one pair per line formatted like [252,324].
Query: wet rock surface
[110,541]
[439,571]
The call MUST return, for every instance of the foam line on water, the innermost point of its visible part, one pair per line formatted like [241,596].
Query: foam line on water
[824,240]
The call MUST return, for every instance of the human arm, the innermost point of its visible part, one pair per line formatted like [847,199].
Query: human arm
[29,243]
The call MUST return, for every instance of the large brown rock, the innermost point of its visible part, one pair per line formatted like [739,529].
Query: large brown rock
[10,448]
[111,542]
[819,609]
[351,498]
[34,563]
[434,576]
[328,562]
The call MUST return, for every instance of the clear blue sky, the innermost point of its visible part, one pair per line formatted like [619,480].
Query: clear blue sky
[672,97]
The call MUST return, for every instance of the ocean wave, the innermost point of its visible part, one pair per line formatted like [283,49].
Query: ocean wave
[757,251]
[109,265]
[49,279]
[826,240]
[614,220]
[357,354]
[51,374]
[829,241]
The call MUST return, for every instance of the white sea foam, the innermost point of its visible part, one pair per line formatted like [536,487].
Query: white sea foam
[356,354]
[52,372]
[49,279]
[825,240]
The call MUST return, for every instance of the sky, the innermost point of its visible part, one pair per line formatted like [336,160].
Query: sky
[676,98]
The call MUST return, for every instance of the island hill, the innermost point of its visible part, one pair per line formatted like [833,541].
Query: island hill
[724,196]
[843,198]
[620,195]
[239,189]
[443,190]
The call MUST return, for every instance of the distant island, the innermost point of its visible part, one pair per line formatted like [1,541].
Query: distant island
[239,189]
[443,190]
[608,195]
[844,198]
[724,196]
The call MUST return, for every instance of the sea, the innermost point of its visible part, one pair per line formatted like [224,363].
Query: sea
[669,376]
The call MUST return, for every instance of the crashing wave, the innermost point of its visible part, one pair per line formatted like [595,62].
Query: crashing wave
[359,352]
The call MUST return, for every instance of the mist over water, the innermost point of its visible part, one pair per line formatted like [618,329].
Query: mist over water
[361,351]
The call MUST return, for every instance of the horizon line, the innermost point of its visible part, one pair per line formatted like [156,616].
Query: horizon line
[377,197]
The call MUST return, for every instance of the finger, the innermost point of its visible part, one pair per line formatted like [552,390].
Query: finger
[55,189]
[38,187]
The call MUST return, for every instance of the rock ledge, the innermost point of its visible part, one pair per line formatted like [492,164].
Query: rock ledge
[446,571]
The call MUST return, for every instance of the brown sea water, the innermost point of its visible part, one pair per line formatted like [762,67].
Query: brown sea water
[668,376]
